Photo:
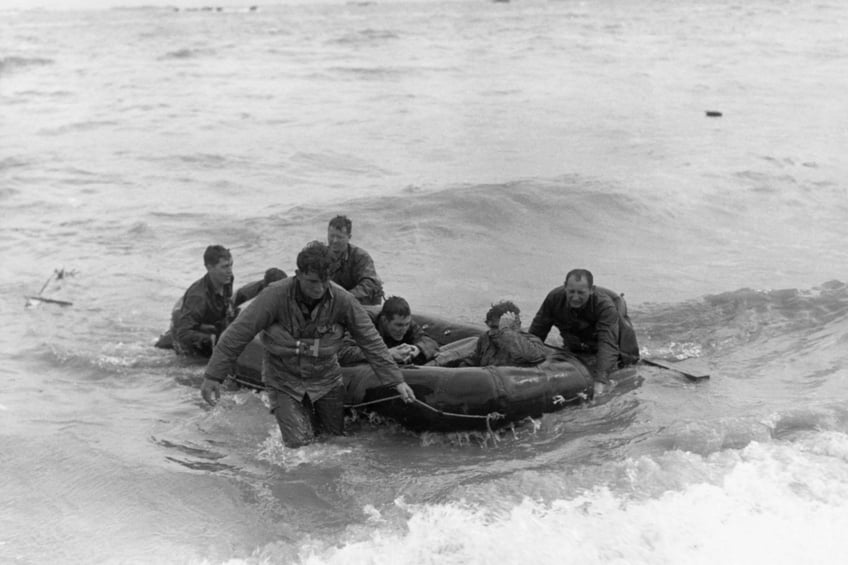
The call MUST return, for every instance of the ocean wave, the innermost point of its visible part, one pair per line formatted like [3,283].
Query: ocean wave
[75,127]
[12,163]
[7,193]
[187,53]
[338,162]
[372,73]
[783,500]
[13,63]
[776,320]
[26,95]
[366,36]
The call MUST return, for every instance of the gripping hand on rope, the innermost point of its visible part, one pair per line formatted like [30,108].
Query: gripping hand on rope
[405,392]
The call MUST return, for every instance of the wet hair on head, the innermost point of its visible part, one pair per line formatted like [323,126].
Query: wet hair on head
[342,223]
[395,306]
[214,253]
[315,258]
[274,274]
[580,274]
[499,309]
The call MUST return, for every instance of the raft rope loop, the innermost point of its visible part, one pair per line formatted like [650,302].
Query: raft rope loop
[561,400]
[490,417]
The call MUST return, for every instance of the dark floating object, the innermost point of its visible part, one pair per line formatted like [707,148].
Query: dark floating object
[689,376]
[58,274]
[31,299]
[713,114]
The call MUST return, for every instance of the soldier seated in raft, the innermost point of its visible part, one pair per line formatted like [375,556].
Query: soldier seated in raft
[205,309]
[406,340]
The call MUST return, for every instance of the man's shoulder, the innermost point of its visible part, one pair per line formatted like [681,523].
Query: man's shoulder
[603,298]
[604,306]
[557,293]
[283,285]
[529,336]
[357,252]
[197,288]
[340,295]
[252,288]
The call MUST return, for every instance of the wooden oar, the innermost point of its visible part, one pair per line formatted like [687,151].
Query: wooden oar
[689,376]
[59,274]
[50,300]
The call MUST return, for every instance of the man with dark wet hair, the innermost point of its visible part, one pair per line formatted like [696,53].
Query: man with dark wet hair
[592,320]
[406,340]
[303,321]
[352,267]
[205,309]
[504,344]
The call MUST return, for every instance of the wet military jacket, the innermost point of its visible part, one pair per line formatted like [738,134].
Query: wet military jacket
[355,272]
[597,327]
[351,354]
[300,345]
[203,313]
[507,347]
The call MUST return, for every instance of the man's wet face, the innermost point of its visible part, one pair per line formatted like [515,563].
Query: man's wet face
[312,284]
[222,272]
[577,292]
[337,240]
[397,326]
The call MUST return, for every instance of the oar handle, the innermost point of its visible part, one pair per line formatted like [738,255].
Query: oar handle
[684,373]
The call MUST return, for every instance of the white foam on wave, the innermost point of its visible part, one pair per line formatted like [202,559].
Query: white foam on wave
[772,503]
[273,451]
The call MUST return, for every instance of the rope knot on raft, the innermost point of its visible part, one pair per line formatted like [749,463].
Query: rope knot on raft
[493,417]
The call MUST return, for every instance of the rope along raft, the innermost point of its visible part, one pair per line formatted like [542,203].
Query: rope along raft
[490,417]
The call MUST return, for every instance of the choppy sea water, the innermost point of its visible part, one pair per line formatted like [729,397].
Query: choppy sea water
[482,150]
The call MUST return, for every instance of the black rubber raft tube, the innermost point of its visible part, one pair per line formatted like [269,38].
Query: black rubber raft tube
[455,399]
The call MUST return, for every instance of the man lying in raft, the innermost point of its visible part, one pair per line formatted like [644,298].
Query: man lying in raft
[406,340]
[303,322]
[590,319]
[504,344]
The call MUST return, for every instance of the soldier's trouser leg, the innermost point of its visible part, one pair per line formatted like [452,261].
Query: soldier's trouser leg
[294,418]
[329,412]
[301,420]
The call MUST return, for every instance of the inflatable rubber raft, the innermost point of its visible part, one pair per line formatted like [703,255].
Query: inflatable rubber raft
[456,398]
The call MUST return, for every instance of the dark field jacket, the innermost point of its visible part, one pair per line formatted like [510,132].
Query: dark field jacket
[351,354]
[300,346]
[355,272]
[203,313]
[598,327]
[507,347]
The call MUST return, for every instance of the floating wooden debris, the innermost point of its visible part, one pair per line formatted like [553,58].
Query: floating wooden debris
[31,298]
[58,274]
